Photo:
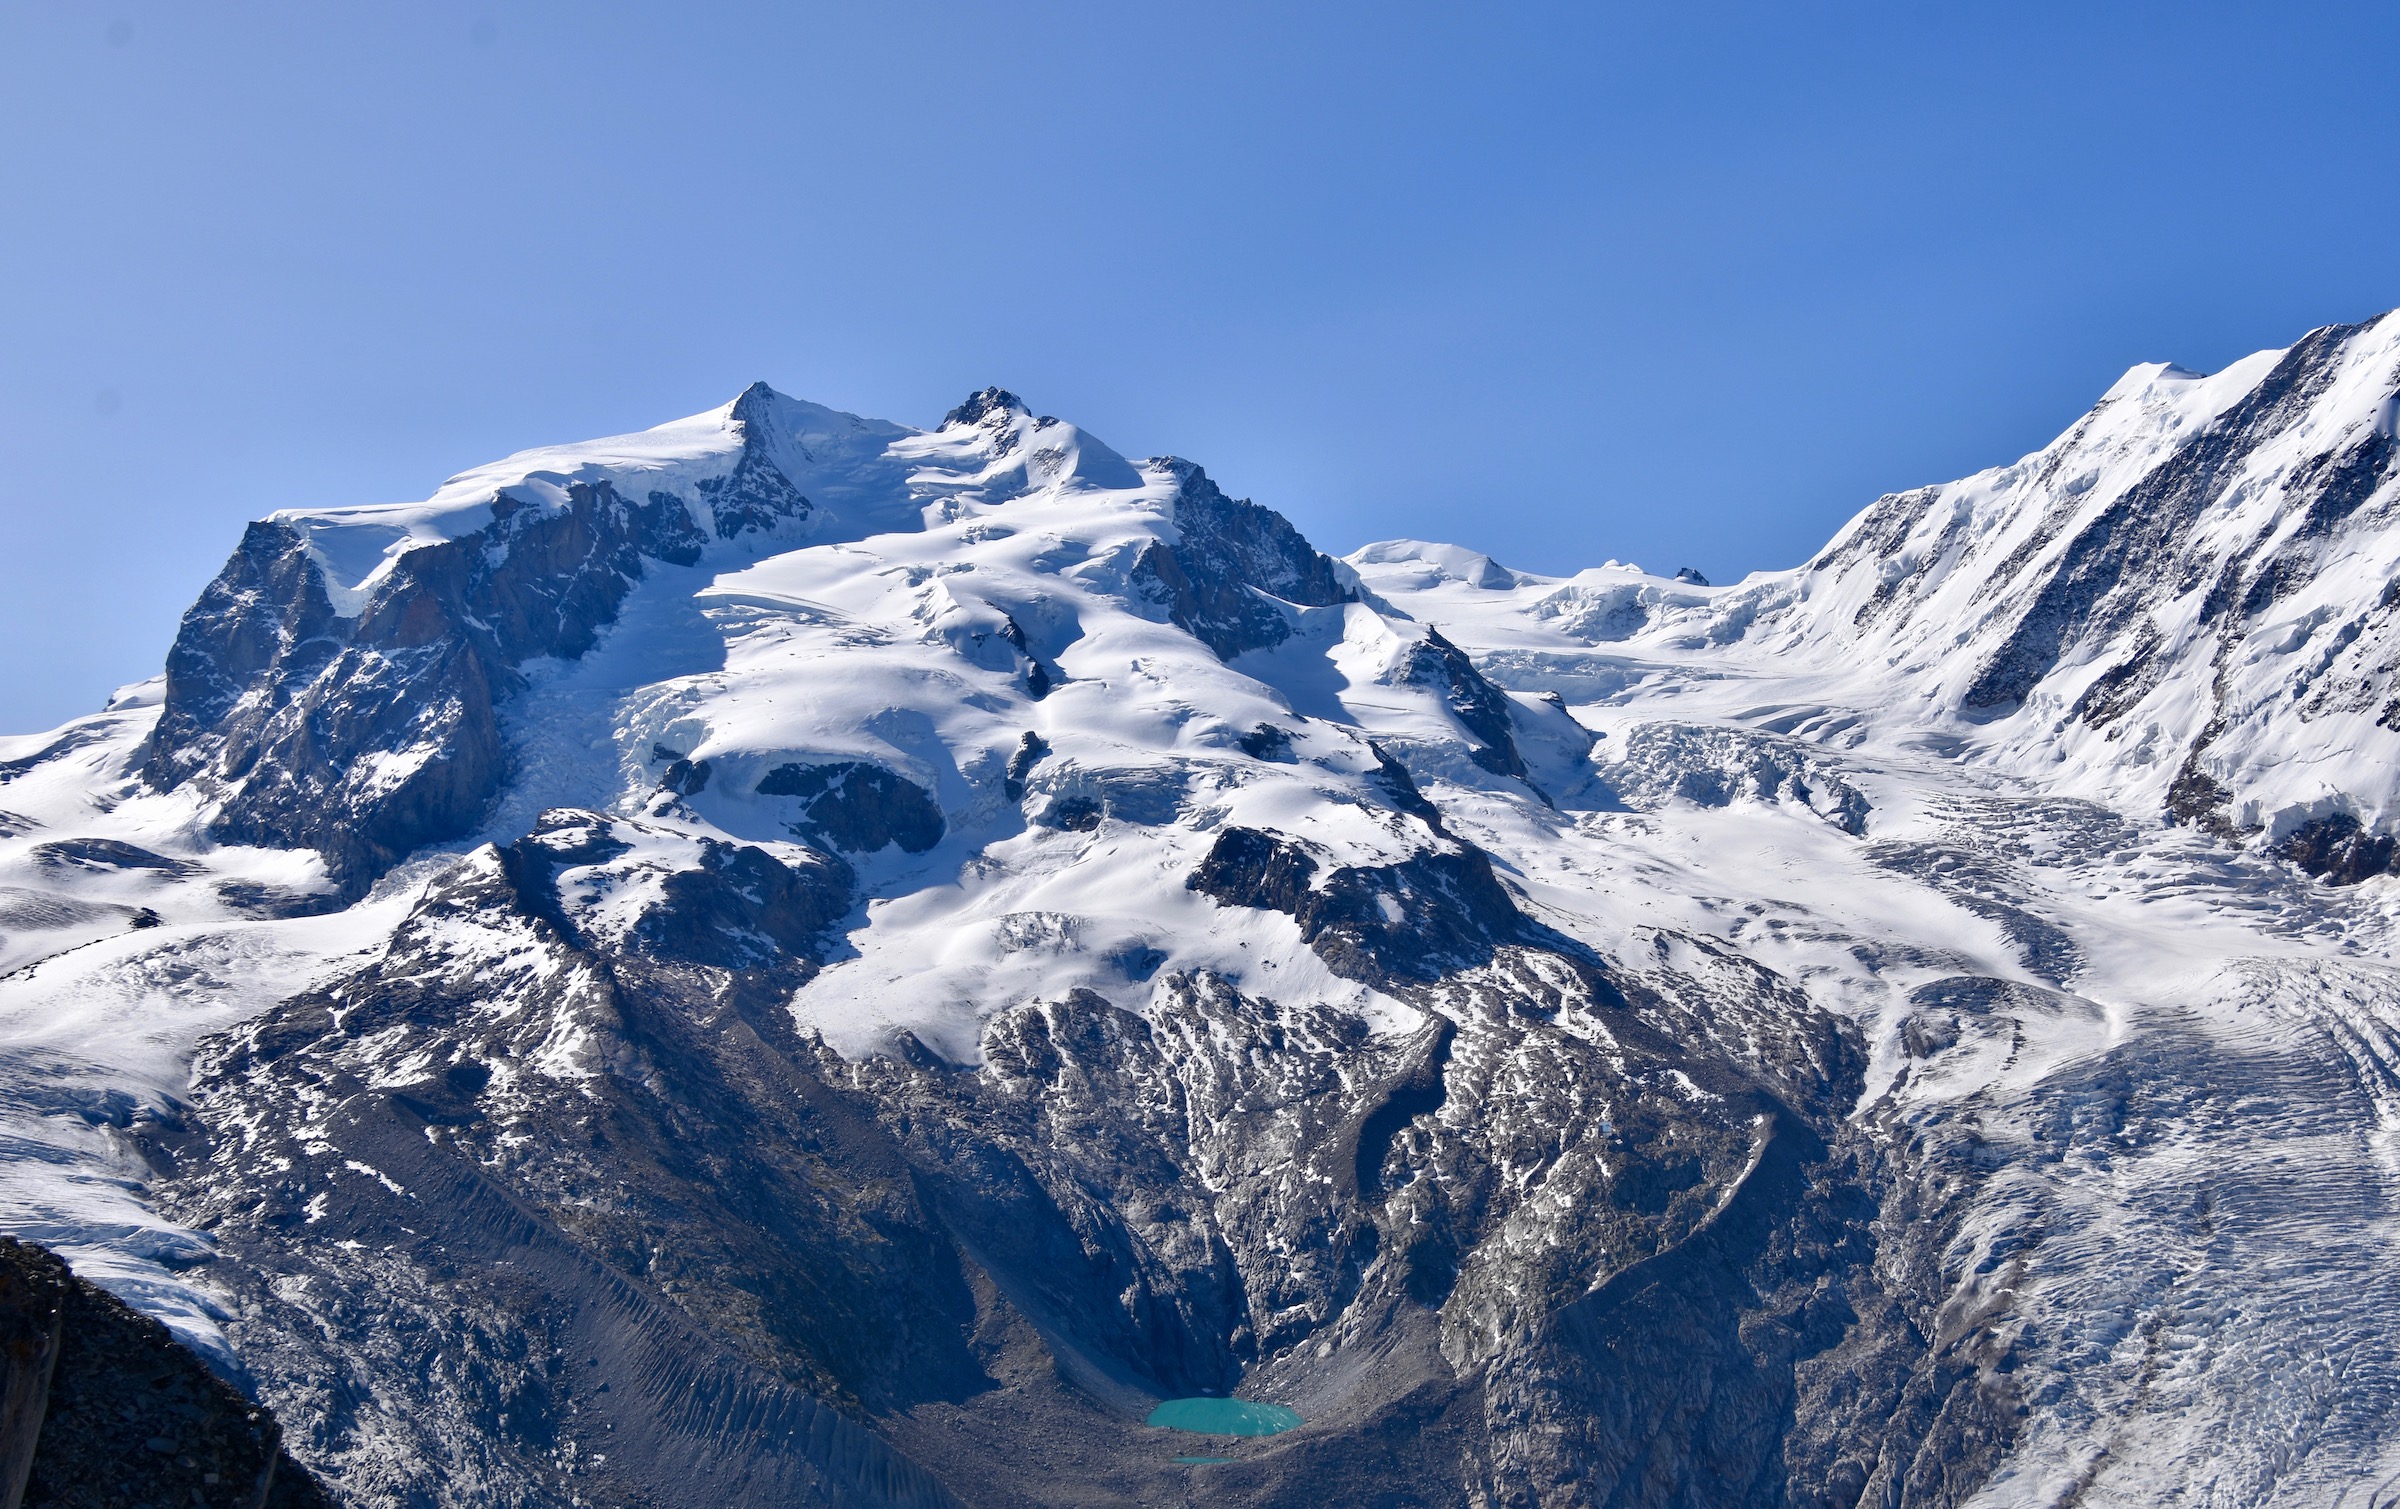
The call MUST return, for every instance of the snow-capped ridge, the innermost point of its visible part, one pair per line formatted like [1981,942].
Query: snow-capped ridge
[355,547]
[993,448]
[2143,376]
[2181,604]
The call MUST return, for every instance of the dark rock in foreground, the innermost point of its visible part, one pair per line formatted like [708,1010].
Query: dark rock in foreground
[113,1412]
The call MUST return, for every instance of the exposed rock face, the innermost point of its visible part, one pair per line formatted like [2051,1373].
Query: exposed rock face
[652,1227]
[371,736]
[1480,707]
[663,895]
[2339,850]
[990,407]
[104,1409]
[857,807]
[755,497]
[1231,551]
[105,854]
[1438,911]
[639,1244]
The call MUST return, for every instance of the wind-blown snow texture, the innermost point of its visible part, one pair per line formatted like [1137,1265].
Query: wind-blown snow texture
[844,963]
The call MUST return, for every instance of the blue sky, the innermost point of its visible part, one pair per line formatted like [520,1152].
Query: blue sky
[1683,285]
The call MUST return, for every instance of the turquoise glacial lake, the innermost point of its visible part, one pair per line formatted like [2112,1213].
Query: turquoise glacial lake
[1225,1417]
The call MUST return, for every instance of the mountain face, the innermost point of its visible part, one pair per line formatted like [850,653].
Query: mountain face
[2186,600]
[844,964]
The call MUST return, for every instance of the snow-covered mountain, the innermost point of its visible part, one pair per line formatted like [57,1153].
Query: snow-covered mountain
[846,963]
[2185,603]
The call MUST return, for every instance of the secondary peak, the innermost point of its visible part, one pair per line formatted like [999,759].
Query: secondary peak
[982,405]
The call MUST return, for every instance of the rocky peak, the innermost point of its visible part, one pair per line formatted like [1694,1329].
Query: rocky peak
[756,496]
[1231,559]
[754,403]
[366,734]
[986,406]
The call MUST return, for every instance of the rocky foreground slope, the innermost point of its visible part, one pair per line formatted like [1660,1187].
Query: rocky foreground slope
[843,964]
[100,1408]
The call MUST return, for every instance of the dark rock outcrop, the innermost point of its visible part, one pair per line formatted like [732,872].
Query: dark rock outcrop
[728,905]
[1029,752]
[2338,850]
[1267,742]
[684,777]
[985,406]
[1436,912]
[858,807]
[103,1409]
[1230,552]
[105,854]
[1480,707]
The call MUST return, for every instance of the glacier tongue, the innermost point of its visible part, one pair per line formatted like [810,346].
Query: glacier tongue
[855,960]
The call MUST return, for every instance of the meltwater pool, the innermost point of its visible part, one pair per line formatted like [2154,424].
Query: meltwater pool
[1225,1417]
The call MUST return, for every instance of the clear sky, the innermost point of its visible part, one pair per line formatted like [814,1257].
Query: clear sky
[1682,284]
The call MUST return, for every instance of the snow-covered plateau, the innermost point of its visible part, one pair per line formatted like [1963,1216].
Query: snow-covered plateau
[844,964]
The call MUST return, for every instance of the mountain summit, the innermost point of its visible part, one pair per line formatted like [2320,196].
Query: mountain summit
[854,964]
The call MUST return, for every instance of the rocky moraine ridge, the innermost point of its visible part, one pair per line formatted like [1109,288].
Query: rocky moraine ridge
[845,964]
